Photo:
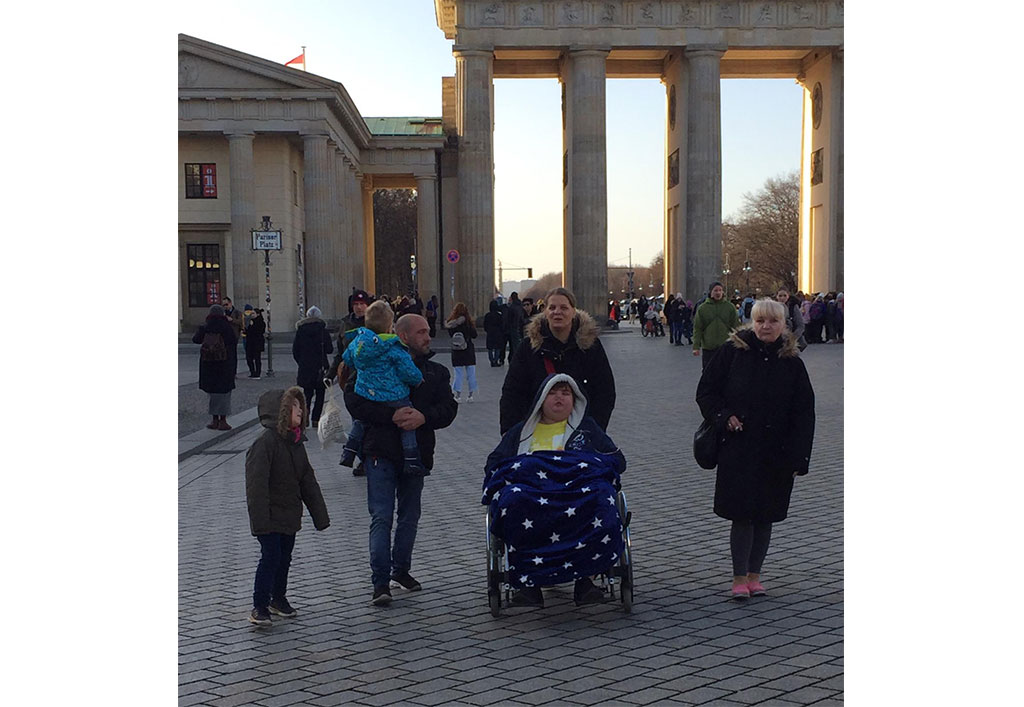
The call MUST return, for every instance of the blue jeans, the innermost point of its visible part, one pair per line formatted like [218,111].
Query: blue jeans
[272,571]
[358,431]
[677,332]
[385,483]
[470,374]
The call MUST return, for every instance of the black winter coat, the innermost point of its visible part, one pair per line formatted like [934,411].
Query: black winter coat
[218,376]
[466,357]
[433,398]
[255,338]
[278,476]
[766,386]
[582,357]
[309,349]
[494,328]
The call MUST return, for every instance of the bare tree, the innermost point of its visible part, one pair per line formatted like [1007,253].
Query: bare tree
[766,234]
[394,231]
[546,283]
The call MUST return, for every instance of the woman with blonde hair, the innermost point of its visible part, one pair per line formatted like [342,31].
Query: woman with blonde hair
[462,331]
[756,392]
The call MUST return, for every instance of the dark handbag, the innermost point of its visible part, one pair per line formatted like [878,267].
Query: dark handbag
[705,445]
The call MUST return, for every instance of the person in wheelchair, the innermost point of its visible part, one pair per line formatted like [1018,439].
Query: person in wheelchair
[551,486]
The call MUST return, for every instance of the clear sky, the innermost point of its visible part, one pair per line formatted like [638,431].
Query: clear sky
[391,56]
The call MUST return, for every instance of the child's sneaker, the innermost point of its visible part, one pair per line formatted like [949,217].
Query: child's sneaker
[348,457]
[281,607]
[414,467]
[381,595]
[260,617]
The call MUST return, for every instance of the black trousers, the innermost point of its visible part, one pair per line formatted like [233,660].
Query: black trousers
[749,544]
[315,407]
[272,571]
[255,362]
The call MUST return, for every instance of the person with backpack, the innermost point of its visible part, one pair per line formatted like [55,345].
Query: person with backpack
[462,331]
[217,339]
[748,304]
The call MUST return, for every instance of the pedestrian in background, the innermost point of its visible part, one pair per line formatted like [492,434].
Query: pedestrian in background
[794,320]
[756,392]
[255,342]
[515,319]
[495,332]
[432,307]
[714,321]
[462,331]
[217,340]
[278,480]
[310,348]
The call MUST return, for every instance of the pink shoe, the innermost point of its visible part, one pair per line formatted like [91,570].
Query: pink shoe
[756,590]
[740,592]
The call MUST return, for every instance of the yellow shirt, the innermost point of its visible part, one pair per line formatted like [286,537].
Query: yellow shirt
[548,436]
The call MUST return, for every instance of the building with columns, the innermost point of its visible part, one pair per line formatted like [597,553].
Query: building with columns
[255,139]
[690,45]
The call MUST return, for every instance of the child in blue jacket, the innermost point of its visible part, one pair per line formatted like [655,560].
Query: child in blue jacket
[385,373]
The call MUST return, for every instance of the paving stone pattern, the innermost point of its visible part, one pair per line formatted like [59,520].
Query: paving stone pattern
[685,643]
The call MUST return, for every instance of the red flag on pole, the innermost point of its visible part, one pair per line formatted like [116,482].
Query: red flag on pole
[300,59]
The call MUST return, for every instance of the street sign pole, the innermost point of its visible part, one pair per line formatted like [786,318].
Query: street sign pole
[266,239]
[453,257]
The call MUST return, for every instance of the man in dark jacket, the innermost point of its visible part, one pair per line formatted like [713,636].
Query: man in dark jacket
[310,348]
[515,318]
[433,408]
[358,301]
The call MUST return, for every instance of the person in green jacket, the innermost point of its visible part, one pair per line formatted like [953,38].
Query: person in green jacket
[714,321]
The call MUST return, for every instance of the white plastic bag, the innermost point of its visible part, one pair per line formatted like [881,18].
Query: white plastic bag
[331,428]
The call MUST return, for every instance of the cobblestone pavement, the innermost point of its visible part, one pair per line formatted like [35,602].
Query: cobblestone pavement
[685,643]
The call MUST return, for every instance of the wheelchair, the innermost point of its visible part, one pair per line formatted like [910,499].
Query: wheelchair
[617,581]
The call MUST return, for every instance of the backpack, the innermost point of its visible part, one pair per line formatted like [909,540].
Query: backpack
[213,348]
[747,307]
[459,341]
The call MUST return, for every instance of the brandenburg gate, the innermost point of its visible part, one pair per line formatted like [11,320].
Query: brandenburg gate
[690,45]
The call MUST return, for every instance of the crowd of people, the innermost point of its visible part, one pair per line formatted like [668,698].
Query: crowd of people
[557,397]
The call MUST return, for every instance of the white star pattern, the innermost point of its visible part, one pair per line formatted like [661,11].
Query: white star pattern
[570,512]
[555,537]
[597,522]
[542,475]
[503,512]
[567,565]
[615,556]
[557,459]
[516,465]
[606,539]
[596,557]
[611,500]
[542,501]
[537,560]
[516,489]
[523,578]
[583,465]
[580,545]
[497,495]
[585,489]
[527,523]
[511,549]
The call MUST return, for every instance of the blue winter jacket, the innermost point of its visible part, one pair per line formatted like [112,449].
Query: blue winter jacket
[385,368]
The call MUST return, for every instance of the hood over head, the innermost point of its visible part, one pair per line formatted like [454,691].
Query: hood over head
[275,408]
[579,408]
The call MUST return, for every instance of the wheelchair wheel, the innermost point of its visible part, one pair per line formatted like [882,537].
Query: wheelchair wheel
[624,568]
[495,550]
[643,329]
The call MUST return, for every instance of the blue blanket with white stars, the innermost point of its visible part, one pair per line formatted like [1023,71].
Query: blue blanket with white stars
[556,512]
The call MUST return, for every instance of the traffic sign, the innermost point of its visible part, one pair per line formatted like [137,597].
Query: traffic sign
[453,256]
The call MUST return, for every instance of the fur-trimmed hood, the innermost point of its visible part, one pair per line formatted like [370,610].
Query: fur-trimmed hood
[275,408]
[744,338]
[308,320]
[584,330]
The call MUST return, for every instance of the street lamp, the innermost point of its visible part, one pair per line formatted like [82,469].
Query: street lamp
[747,269]
[412,267]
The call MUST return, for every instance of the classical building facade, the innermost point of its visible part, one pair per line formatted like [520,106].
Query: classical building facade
[257,139]
[690,45]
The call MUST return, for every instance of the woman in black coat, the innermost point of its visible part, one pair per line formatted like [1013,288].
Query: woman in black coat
[217,366]
[495,331]
[757,393]
[310,348]
[463,359]
[562,339]
[255,340]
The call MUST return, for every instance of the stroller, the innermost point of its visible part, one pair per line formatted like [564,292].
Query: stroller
[553,517]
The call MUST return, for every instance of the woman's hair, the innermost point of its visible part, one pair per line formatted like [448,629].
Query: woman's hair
[565,292]
[461,310]
[379,317]
[769,308]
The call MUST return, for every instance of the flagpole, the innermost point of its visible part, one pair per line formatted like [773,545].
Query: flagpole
[303,57]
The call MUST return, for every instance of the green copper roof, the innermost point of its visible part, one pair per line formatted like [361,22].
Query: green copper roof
[404,126]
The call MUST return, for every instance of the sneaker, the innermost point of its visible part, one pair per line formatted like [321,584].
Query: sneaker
[281,607]
[740,592]
[756,589]
[406,582]
[458,396]
[348,458]
[256,378]
[470,398]
[260,617]
[359,470]
[381,596]
[413,467]
[528,596]
[584,592]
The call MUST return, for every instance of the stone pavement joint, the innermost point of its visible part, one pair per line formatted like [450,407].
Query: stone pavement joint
[685,643]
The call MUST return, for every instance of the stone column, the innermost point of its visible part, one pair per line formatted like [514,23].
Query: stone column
[474,274]
[342,235]
[367,273]
[703,170]
[316,193]
[427,270]
[836,193]
[245,263]
[586,195]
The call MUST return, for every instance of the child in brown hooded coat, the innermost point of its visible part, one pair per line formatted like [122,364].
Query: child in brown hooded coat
[278,481]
